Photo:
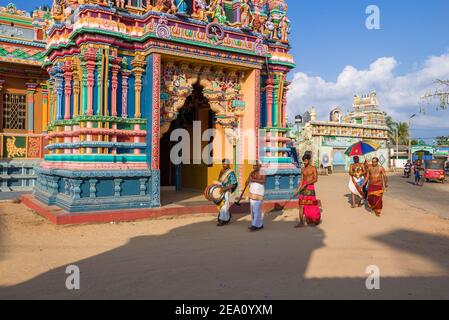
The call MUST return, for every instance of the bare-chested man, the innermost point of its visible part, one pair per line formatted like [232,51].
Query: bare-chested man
[377,184]
[308,205]
[256,183]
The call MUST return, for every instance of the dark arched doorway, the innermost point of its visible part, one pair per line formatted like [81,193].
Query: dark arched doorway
[188,176]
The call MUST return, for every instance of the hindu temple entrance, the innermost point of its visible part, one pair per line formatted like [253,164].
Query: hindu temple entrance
[195,117]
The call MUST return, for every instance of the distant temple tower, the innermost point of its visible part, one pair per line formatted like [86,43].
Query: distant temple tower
[366,111]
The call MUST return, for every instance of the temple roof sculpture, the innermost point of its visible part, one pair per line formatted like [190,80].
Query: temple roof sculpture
[259,27]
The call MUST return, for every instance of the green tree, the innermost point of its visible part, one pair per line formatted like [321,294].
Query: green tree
[442,140]
[403,132]
[392,129]
[398,130]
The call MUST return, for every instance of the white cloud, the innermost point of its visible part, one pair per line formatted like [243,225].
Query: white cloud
[399,95]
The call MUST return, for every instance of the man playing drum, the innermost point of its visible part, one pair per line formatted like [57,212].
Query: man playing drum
[229,182]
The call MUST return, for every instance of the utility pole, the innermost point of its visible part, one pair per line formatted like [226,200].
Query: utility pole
[397,146]
[410,136]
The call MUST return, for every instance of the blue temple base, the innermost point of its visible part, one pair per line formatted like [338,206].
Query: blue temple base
[85,191]
[282,183]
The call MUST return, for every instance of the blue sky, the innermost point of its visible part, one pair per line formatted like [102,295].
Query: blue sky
[337,55]
[328,34]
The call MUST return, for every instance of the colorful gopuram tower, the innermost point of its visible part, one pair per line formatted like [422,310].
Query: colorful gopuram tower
[126,74]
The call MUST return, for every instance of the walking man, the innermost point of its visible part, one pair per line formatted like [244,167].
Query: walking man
[256,183]
[377,184]
[309,209]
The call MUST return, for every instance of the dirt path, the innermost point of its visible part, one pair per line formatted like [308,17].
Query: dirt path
[189,258]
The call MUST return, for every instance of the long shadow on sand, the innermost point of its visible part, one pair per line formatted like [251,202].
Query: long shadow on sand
[230,263]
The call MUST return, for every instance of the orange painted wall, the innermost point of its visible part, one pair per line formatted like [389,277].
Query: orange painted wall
[18,86]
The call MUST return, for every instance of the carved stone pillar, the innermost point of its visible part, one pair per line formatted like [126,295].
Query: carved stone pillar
[269,94]
[67,69]
[125,87]
[138,64]
[90,57]
[115,68]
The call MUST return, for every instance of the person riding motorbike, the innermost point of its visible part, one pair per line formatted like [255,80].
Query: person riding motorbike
[408,169]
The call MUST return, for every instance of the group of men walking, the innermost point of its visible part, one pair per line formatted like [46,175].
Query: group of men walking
[309,205]
[368,182]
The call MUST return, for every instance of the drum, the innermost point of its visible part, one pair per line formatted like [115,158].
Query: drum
[214,193]
[206,192]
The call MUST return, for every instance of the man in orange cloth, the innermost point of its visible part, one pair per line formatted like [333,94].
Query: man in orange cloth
[309,206]
[377,184]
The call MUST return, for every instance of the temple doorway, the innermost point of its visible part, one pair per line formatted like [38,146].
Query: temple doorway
[192,176]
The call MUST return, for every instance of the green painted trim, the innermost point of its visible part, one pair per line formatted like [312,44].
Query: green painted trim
[84,118]
[25,20]
[278,129]
[109,158]
[143,39]
[286,64]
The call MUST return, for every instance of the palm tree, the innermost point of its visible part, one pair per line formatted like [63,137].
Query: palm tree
[392,129]
[403,132]
[398,129]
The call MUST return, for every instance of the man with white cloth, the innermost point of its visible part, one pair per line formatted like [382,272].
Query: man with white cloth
[256,183]
[229,182]
[357,173]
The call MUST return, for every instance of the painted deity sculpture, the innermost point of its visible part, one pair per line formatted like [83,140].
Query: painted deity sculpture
[246,15]
[218,12]
[199,10]
[167,6]
[57,10]
[284,29]
[181,6]
[259,23]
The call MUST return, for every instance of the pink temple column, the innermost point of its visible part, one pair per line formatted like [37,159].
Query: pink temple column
[90,57]
[114,85]
[269,90]
[269,96]
[125,87]
[67,69]
[156,113]
[91,63]
[257,112]
[284,105]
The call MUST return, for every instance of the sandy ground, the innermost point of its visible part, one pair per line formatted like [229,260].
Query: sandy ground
[189,258]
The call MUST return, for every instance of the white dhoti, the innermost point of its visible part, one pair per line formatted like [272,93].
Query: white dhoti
[225,214]
[257,192]
[355,184]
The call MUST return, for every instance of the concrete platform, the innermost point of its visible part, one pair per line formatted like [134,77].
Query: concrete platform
[188,206]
